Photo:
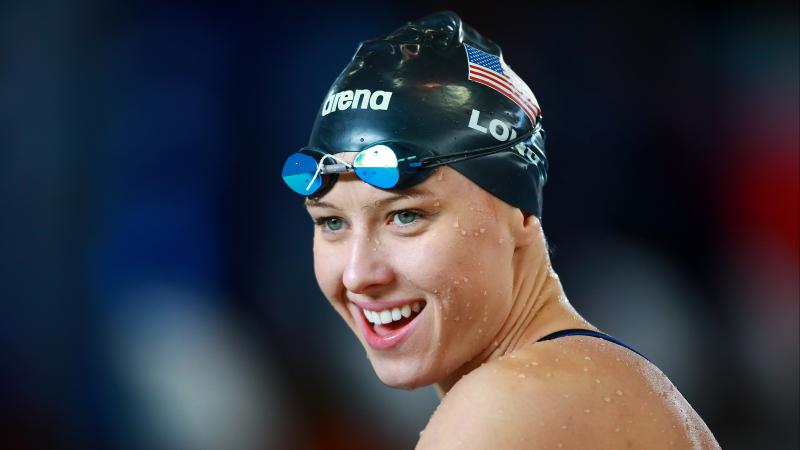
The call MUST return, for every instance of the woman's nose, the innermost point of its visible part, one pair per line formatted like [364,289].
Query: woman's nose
[367,269]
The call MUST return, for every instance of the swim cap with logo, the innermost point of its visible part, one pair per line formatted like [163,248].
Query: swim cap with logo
[436,83]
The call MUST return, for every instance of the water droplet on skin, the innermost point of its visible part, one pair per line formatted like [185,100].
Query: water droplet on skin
[548,374]
[496,343]
[587,411]
[563,427]
[607,399]
[597,380]
[616,430]
[463,233]
[522,375]
[585,369]
[456,319]
[436,204]
[440,176]
[469,318]
[456,282]
[557,360]
[480,331]
[588,358]
[535,363]
[565,395]
[560,445]
[482,230]
[501,241]
[455,224]
[466,280]
[619,392]
[475,234]
[485,294]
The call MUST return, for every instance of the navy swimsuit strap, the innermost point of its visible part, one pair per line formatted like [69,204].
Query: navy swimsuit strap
[581,332]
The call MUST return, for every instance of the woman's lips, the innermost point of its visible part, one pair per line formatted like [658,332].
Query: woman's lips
[387,340]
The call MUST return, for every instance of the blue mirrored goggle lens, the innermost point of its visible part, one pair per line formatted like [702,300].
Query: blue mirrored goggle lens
[298,171]
[377,166]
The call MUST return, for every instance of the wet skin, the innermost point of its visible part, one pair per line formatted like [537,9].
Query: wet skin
[482,268]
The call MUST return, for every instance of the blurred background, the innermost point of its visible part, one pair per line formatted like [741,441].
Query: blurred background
[156,275]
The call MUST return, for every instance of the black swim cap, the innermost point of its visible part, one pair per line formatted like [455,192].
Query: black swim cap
[436,83]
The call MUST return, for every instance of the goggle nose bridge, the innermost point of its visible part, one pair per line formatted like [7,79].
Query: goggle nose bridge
[323,169]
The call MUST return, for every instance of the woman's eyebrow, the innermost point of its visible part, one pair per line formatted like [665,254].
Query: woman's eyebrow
[314,203]
[405,194]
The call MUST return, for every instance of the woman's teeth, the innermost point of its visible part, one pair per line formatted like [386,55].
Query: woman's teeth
[393,314]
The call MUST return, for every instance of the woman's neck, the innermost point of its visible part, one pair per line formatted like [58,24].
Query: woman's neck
[539,308]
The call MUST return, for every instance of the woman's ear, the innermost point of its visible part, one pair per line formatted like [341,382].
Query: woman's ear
[525,227]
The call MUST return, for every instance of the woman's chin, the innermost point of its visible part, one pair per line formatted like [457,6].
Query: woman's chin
[402,377]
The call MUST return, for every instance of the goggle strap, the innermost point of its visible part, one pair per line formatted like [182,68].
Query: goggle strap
[447,159]
[475,153]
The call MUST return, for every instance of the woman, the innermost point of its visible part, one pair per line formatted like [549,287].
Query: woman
[423,176]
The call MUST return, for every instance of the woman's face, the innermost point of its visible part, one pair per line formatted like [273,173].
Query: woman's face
[445,244]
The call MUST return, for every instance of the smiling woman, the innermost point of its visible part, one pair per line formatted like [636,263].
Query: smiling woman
[429,245]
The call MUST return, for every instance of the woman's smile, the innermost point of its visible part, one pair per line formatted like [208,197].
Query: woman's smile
[385,328]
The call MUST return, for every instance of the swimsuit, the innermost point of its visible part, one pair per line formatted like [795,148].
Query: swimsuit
[580,332]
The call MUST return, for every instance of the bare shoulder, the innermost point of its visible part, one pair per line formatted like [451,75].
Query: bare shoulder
[576,392]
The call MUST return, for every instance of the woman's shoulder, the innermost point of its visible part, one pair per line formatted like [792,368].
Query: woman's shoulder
[574,392]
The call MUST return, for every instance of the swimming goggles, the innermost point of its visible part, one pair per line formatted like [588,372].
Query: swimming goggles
[386,165]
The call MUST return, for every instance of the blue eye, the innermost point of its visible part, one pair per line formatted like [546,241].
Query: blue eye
[405,217]
[330,223]
[334,223]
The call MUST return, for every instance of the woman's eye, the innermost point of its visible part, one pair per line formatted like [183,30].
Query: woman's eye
[330,223]
[405,217]
[334,223]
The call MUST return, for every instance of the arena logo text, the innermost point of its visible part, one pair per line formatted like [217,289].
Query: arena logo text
[361,99]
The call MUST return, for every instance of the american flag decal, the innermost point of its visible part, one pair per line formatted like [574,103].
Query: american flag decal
[491,71]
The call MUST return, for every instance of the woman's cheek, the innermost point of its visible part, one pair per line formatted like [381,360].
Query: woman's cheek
[325,270]
[440,263]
